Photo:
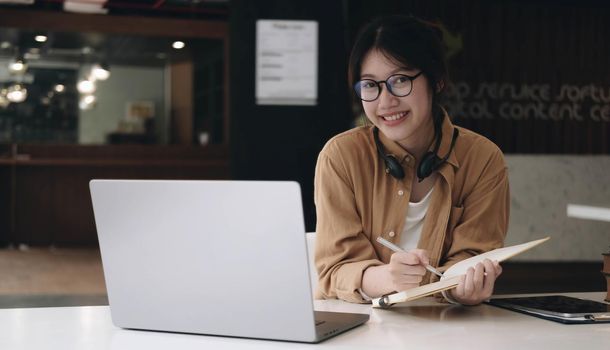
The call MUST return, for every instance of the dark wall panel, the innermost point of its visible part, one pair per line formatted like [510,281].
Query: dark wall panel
[282,142]
[510,51]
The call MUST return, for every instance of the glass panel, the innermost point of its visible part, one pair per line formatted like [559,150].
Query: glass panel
[61,94]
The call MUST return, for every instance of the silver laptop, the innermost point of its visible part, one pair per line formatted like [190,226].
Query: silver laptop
[222,258]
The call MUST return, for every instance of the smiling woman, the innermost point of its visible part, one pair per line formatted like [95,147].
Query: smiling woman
[407,178]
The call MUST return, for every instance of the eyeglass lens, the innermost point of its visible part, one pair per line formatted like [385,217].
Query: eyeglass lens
[398,85]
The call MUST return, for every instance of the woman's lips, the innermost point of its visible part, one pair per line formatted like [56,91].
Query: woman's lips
[393,119]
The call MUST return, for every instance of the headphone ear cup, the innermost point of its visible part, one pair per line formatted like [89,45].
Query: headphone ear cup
[394,167]
[427,165]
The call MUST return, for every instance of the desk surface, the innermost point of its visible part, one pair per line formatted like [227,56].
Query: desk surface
[423,324]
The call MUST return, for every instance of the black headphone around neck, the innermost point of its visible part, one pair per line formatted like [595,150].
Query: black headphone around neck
[429,162]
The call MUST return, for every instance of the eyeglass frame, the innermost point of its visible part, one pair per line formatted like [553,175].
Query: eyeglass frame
[388,87]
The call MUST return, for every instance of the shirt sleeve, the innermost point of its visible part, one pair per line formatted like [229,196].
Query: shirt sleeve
[343,251]
[364,295]
[447,297]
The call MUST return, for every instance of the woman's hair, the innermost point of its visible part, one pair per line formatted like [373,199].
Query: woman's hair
[409,42]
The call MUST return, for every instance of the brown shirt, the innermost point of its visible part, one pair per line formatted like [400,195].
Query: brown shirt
[357,201]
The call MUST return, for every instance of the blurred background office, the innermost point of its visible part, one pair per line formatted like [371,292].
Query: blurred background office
[181,89]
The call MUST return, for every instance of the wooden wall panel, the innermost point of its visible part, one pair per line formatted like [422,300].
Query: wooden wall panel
[5,204]
[50,185]
[181,80]
[53,202]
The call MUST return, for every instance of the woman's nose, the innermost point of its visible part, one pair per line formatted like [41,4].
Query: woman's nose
[385,97]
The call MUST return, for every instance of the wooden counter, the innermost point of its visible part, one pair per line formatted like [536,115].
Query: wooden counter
[44,190]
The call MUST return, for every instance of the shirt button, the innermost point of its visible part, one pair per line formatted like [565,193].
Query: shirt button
[401,192]
[391,234]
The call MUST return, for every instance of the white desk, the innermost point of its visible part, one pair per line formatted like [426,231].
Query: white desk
[424,325]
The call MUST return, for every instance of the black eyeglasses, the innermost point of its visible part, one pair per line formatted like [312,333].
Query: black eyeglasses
[399,85]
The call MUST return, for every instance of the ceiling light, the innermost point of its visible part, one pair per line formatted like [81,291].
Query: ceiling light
[31,56]
[4,102]
[59,88]
[89,99]
[86,87]
[178,45]
[17,93]
[18,66]
[100,71]
[40,38]
[87,102]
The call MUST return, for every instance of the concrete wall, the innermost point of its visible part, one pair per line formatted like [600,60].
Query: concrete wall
[541,188]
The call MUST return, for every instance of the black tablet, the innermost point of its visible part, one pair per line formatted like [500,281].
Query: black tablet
[558,308]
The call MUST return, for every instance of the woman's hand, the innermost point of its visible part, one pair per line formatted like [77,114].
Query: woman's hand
[478,283]
[405,271]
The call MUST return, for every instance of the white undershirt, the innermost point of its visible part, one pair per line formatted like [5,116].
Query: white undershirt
[412,228]
[411,233]
[414,222]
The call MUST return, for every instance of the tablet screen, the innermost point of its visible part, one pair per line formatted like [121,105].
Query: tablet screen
[557,303]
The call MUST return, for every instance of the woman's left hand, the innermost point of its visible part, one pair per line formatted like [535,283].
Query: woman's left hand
[476,286]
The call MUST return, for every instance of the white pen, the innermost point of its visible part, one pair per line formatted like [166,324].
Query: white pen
[397,249]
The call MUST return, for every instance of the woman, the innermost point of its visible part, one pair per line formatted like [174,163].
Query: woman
[437,190]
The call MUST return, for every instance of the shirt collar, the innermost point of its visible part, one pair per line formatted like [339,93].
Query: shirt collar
[447,130]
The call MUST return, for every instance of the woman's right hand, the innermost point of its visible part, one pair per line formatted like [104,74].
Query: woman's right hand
[406,269]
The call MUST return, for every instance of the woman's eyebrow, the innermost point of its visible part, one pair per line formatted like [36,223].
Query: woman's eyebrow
[395,71]
[367,76]
[403,69]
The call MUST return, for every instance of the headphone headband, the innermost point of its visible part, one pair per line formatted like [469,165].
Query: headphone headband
[430,161]
[392,164]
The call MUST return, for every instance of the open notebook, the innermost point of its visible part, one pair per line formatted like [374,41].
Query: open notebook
[452,276]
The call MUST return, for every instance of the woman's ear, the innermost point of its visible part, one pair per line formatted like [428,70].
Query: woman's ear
[440,86]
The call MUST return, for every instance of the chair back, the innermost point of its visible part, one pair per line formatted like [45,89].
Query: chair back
[311,249]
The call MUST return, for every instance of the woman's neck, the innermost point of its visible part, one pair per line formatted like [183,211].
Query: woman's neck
[420,143]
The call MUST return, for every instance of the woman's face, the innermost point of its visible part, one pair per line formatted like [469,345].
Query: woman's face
[408,119]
